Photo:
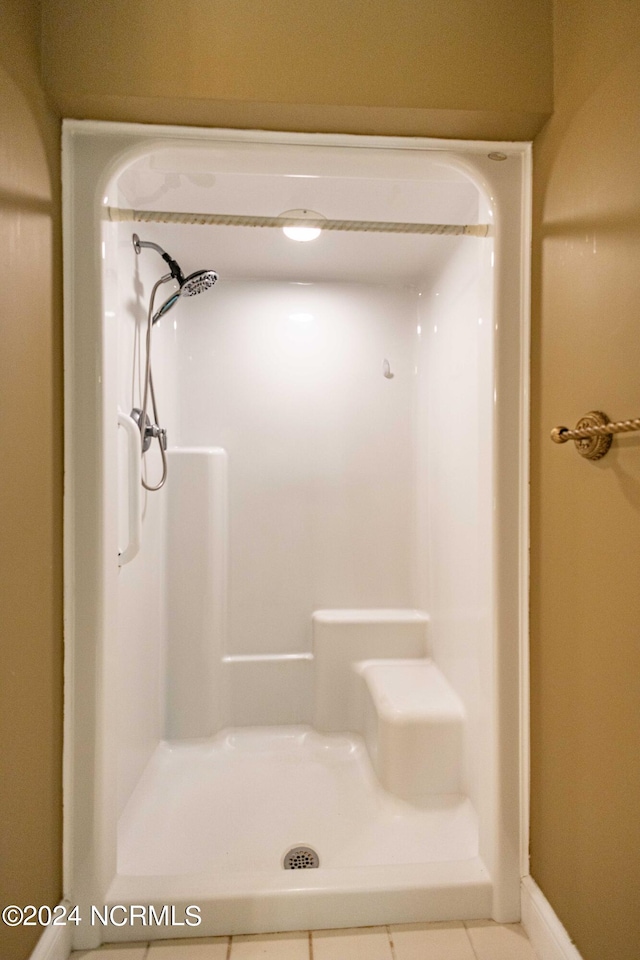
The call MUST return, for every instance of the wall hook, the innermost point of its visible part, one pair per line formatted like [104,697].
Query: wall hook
[386,370]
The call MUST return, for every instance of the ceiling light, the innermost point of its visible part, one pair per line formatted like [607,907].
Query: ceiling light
[301,233]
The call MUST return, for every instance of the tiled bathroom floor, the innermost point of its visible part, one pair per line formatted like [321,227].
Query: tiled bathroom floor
[473,940]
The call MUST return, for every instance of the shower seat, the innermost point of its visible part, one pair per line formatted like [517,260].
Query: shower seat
[413,727]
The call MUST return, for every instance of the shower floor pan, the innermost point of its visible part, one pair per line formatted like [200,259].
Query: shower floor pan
[210,823]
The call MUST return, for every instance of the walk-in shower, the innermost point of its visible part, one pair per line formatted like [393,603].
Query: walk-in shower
[293,672]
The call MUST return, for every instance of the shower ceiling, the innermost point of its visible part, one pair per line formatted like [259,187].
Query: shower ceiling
[159,184]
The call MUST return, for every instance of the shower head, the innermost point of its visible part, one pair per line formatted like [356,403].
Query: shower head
[196,282]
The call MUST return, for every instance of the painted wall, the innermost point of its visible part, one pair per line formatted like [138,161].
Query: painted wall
[585,830]
[445,68]
[30,482]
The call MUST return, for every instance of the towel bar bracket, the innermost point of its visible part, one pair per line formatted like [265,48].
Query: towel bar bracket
[593,433]
[591,438]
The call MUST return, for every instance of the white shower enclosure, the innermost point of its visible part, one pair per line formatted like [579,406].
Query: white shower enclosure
[299,704]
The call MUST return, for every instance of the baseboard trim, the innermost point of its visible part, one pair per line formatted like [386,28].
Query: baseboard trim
[55,942]
[548,937]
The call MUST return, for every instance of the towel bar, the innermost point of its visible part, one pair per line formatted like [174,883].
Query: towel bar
[593,433]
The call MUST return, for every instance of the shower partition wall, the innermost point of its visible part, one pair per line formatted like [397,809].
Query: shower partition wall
[314,659]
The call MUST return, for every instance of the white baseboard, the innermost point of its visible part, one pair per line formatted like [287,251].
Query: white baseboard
[54,944]
[548,937]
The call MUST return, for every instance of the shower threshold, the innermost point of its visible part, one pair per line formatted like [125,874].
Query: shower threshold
[210,822]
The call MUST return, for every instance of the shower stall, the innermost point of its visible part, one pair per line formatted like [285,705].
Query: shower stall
[295,672]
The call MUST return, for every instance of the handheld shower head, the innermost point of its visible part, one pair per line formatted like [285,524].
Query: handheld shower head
[195,283]
[198,282]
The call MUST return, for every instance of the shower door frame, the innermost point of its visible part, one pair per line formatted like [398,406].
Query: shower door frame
[93,152]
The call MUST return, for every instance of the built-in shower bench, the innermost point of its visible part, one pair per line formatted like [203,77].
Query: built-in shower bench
[372,675]
[413,727]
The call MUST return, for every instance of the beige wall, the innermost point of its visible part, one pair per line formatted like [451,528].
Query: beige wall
[585,641]
[443,68]
[30,481]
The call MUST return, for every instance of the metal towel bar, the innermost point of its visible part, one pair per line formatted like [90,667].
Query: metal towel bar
[593,433]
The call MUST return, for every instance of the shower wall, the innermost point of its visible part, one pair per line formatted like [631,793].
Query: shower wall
[455,551]
[139,708]
[288,379]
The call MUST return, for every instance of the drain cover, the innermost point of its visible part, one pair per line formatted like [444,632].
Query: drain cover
[301,858]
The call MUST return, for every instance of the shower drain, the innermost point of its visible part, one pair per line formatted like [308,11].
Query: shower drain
[301,858]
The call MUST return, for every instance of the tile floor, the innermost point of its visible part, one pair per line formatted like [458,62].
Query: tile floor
[472,940]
